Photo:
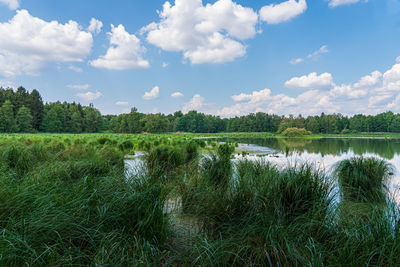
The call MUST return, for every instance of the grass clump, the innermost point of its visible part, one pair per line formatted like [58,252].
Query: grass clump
[363,179]
[265,216]
[74,206]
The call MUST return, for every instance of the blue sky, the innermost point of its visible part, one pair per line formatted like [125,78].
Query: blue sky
[222,57]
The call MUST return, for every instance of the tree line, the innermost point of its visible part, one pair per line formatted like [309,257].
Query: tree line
[24,111]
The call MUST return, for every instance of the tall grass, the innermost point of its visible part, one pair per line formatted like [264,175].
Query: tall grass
[363,179]
[73,206]
[68,202]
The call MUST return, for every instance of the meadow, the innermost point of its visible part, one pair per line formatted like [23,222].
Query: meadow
[68,199]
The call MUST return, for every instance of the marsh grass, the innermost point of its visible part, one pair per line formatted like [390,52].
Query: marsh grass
[363,179]
[71,202]
[74,206]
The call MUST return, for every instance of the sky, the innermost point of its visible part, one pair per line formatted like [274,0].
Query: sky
[221,57]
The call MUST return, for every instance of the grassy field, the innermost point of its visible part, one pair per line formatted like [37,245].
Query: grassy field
[66,200]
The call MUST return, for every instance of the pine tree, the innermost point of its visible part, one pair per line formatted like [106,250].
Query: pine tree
[35,104]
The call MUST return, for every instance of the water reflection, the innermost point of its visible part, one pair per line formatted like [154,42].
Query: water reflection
[385,148]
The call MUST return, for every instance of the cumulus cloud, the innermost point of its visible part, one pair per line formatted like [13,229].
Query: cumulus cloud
[79,86]
[369,80]
[309,102]
[176,95]
[315,55]
[311,81]
[398,59]
[95,26]
[25,42]
[125,52]
[282,12]
[89,96]
[371,94]
[153,94]
[12,4]
[121,103]
[348,91]
[205,34]
[335,3]
[196,103]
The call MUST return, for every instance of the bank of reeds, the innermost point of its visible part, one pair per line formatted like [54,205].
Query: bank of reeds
[69,203]
[73,206]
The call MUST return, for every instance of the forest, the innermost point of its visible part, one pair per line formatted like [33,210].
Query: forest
[25,112]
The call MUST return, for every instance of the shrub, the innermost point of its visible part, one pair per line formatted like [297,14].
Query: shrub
[293,132]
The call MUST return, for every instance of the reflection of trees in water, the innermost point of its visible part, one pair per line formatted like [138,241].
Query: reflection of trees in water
[291,144]
[386,148]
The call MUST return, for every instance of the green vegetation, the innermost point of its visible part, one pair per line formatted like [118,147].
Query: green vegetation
[292,132]
[74,118]
[68,200]
[363,179]
[69,205]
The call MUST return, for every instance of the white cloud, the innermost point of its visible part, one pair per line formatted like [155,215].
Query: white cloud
[164,65]
[315,55]
[311,81]
[373,93]
[153,94]
[205,34]
[121,103]
[25,41]
[125,52]
[7,84]
[296,61]
[95,26]
[369,80]
[196,103]
[177,95]
[12,4]
[395,103]
[348,91]
[285,11]
[309,102]
[89,96]
[79,86]
[398,59]
[392,75]
[76,69]
[335,3]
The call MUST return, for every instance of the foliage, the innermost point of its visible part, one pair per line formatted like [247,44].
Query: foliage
[73,206]
[292,132]
[363,179]
[24,120]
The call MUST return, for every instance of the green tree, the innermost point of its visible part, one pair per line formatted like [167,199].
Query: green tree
[156,123]
[76,122]
[92,119]
[7,120]
[24,120]
[35,104]
[54,119]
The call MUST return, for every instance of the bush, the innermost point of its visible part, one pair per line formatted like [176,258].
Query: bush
[293,132]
